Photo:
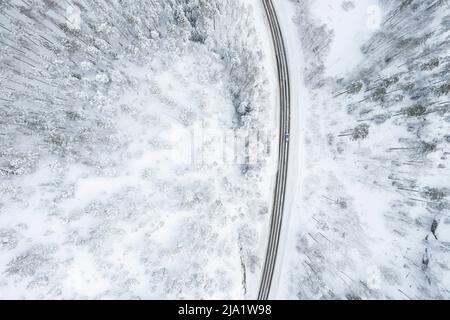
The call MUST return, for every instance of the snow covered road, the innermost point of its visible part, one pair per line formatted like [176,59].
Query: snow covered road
[283,155]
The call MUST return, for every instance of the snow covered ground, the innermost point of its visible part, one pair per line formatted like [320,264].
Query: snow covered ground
[138,148]
[369,211]
[120,173]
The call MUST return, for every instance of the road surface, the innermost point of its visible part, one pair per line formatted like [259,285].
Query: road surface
[283,152]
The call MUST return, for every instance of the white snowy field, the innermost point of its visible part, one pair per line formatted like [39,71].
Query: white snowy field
[120,176]
[370,177]
[138,148]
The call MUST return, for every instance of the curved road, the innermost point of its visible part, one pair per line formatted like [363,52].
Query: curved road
[283,152]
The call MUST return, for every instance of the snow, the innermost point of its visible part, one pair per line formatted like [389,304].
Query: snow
[271,73]
[299,103]
[138,149]
[124,188]
[351,27]
[354,230]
